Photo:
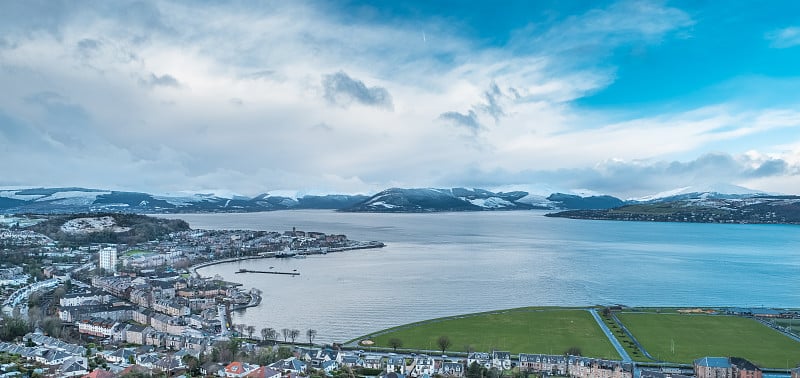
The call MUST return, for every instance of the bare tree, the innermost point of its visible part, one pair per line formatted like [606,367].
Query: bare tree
[250,330]
[268,334]
[240,329]
[311,333]
[443,342]
[285,332]
[293,334]
[395,343]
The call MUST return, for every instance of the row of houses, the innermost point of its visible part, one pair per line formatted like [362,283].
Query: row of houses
[726,367]
[62,359]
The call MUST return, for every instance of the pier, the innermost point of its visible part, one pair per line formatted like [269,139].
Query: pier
[267,272]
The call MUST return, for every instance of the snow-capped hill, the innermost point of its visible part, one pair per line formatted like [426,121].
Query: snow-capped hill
[538,201]
[719,190]
[423,200]
[81,200]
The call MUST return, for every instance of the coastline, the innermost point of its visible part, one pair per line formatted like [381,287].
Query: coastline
[283,254]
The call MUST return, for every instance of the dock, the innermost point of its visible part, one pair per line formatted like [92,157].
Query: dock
[267,272]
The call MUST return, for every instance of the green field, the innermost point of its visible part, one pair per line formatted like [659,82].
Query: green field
[550,331]
[695,336]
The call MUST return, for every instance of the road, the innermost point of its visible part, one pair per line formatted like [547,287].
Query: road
[611,337]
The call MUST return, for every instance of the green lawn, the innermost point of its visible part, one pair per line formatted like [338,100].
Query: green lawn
[695,336]
[550,331]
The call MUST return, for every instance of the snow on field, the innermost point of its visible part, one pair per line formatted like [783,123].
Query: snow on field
[491,202]
[87,225]
[73,194]
[537,200]
[13,195]
[382,204]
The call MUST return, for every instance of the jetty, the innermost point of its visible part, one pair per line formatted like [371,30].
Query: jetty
[267,272]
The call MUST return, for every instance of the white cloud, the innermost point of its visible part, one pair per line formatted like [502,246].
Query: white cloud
[784,38]
[194,97]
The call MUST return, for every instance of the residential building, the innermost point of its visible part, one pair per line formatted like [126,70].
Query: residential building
[264,372]
[237,369]
[452,369]
[582,367]
[501,360]
[373,362]
[289,365]
[396,364]
[108,259]
[543,363]
[713,367]
[742,368]
[482,359]
[423,365]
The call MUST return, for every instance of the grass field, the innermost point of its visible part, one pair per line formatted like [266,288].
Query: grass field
[695,336]
[550,331]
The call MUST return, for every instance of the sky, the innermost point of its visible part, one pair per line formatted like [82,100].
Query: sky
[627,98]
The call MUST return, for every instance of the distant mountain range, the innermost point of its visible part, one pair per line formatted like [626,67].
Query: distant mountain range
[79,200]
[707,209]
[394,200]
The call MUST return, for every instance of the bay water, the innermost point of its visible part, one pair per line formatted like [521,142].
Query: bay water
[445,264]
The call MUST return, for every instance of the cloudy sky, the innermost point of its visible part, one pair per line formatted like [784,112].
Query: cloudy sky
[627,98]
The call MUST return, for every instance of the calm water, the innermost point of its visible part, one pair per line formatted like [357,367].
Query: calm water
[446,264]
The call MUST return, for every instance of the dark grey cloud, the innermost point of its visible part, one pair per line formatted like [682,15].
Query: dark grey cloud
[62,120]
[773,167]
[492,105]
[160,81]
[261,75]
[322,126]
[88,47]
[469,120]
[341,89]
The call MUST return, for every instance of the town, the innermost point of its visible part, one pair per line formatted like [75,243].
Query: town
[130,310]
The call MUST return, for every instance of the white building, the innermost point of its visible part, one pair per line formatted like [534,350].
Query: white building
[108,259]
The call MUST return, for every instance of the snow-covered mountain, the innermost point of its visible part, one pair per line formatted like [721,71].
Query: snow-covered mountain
[461,199]
[76,200]
[720,190]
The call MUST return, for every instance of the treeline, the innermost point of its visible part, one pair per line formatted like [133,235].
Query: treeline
[142,229]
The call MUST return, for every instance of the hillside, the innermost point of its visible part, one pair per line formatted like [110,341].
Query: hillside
[82,200]
[107,228]
[762,209]
[424,200]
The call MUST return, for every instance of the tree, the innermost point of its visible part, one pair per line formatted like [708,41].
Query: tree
[192,364]
[12,328]
[52,326]
[395,343]
[573,351]
[268,334]
[293,334]
[311,333]
[240,329]
[284,352]
[250,330]
[285,332]
[443,342]
[233,347]
[474,370]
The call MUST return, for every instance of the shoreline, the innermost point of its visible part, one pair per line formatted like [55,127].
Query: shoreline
[267,255]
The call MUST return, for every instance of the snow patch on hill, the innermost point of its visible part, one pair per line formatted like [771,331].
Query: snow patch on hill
[490,203]
[89,225]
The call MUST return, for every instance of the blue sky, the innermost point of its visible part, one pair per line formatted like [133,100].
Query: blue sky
[628,98]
